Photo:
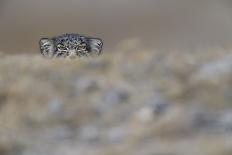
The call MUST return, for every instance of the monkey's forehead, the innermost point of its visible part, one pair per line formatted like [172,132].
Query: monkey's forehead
[70,37]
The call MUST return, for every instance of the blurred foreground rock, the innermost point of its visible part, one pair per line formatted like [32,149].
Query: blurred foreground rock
[132,101]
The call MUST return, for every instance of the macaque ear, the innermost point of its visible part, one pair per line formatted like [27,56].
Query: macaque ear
[46,47]
[96,45]
[44,41]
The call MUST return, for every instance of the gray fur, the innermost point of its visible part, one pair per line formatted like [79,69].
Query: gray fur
[70,46]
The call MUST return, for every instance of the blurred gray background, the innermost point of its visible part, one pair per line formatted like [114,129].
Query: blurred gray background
[157,23]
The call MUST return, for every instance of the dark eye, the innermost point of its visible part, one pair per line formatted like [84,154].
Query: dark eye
[61,47]
[83,46]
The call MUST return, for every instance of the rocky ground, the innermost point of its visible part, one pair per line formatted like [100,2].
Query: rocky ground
[130,101]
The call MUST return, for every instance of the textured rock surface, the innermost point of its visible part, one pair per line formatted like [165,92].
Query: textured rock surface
[130,101]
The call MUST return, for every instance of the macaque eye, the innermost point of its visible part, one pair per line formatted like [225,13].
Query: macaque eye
[62,47]
[83,46]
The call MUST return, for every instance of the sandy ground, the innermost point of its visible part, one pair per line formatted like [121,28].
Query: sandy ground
[130,101]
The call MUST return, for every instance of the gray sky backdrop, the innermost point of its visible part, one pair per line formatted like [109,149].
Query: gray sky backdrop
[158,23]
